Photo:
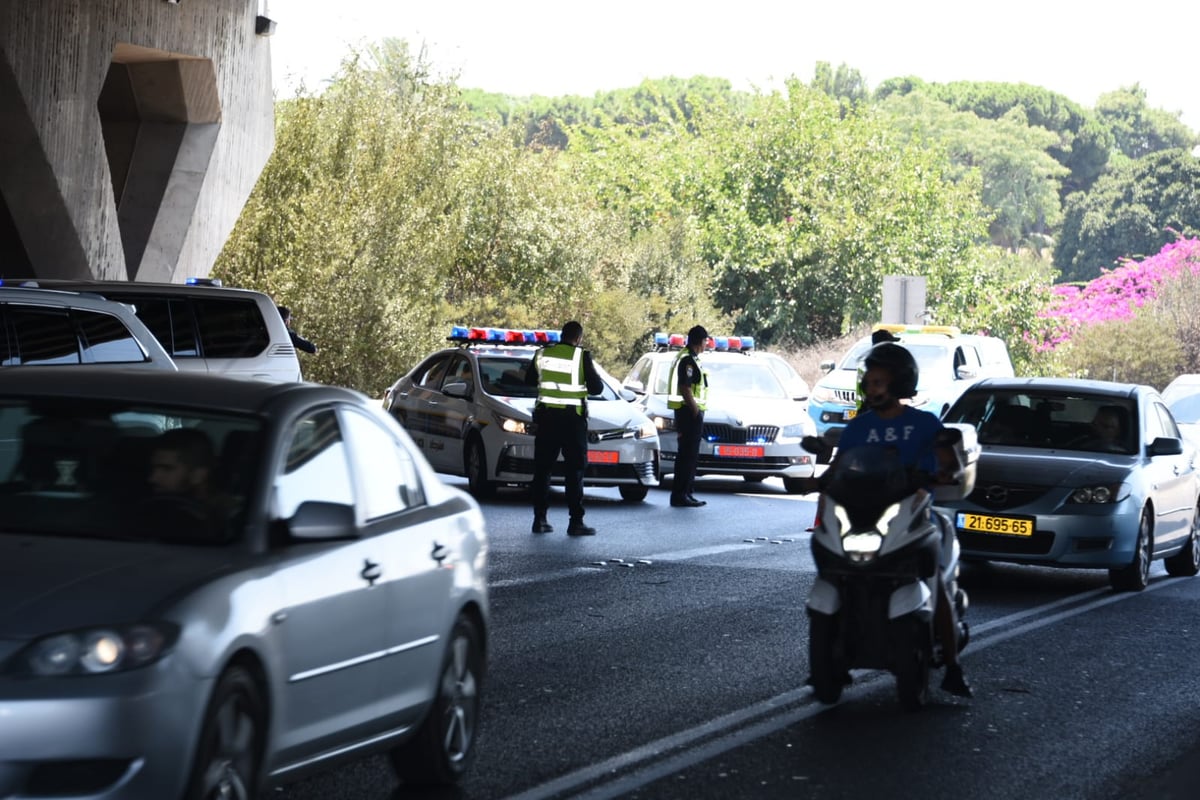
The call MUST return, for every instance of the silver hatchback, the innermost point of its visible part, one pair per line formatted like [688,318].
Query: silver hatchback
[210,585]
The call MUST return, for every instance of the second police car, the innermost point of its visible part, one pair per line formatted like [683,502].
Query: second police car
[753,423]
[469,409]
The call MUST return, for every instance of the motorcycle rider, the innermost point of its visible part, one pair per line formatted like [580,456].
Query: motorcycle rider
[891,376]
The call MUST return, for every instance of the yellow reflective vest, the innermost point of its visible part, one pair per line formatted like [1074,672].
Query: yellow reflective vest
[561,382]
[699,391]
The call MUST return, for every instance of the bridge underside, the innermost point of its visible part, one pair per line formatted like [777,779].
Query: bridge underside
[132,132]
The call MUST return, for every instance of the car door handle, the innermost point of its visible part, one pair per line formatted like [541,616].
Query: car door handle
[439,553]
[371,572]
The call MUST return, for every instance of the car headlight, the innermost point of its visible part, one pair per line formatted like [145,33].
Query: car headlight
[664,423]
[513,425]
[646,430]
[823,394]
[95,651]
[1099,494]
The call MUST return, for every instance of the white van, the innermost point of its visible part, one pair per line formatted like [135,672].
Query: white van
[205,326]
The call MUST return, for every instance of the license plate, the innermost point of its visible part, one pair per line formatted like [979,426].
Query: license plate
[737,451]
[850,413]
[986,523]
[603,457]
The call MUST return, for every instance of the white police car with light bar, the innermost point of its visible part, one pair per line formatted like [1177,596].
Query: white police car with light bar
[753,424]
[469,408]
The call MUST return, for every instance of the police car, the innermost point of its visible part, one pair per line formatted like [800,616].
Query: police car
[949,361]
[469,410]
[753,424]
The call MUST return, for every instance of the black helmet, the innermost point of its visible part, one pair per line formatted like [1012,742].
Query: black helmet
[899,363]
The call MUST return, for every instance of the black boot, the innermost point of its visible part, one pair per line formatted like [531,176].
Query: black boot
[954,682]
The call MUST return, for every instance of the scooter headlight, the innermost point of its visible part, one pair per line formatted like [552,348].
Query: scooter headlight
[862,546]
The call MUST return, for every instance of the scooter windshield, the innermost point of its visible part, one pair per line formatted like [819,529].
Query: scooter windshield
[866,481]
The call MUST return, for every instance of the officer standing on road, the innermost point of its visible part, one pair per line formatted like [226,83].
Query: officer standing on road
[688,394]
[564,375]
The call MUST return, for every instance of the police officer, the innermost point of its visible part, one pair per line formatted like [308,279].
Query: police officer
[564,375]
[688,394]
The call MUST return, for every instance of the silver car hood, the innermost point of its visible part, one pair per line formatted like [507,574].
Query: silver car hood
[50,584]
[1016,465]
[603,415]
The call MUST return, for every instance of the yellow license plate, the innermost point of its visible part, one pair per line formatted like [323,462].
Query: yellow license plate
[850,413]
[986,523]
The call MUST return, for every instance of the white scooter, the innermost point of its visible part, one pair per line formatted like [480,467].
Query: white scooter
[880,548]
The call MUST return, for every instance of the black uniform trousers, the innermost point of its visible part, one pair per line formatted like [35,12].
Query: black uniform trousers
[688,429]
[559,430]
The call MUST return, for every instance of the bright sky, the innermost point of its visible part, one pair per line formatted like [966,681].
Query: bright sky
[1078,49]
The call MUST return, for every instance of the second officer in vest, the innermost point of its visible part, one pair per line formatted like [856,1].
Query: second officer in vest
[565,376]
[688,394]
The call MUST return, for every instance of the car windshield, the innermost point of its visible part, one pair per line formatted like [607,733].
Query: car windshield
[933,361]
[744,379]
[504,376]
[1049,419]
[1186,409]
[132,471]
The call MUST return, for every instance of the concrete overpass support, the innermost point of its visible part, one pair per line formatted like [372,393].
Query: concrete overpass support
[131,134]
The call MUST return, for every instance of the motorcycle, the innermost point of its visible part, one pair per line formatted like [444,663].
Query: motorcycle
[880,549]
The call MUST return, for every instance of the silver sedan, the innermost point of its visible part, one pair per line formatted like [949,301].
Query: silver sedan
[208,586]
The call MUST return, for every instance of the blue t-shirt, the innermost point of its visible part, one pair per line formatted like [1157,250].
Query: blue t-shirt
[911,434]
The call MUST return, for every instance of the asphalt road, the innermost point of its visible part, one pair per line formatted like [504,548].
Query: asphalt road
[665,658]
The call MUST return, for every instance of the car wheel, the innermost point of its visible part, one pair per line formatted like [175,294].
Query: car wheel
[229,753]
[475,465]
[1186,563]
[444,745]
[632,493]
[754,478]
[825,673]
[1136,576]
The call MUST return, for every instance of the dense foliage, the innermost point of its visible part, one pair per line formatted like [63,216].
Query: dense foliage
[396,204]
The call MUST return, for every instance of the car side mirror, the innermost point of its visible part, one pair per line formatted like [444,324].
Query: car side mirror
[800,398]
[457,389]
[317,521]
[826,366]
[627,395]
[635,386]
[1165,446]
[966,373]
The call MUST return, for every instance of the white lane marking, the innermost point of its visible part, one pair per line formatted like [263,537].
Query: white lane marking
[778,716]
[674,555]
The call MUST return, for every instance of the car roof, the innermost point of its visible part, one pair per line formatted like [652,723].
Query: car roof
[136,287]
[183,389]
[1086,385]
[55,296]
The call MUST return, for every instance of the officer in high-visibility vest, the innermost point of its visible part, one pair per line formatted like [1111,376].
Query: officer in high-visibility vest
[687,396]
[564,375]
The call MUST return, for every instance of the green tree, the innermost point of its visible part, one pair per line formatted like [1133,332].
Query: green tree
[1131,212]
[1020,179]
[803,212]
[1138,350]
[1139,130]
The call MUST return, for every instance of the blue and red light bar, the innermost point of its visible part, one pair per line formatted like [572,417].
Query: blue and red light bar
[510,336]
[734,344]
